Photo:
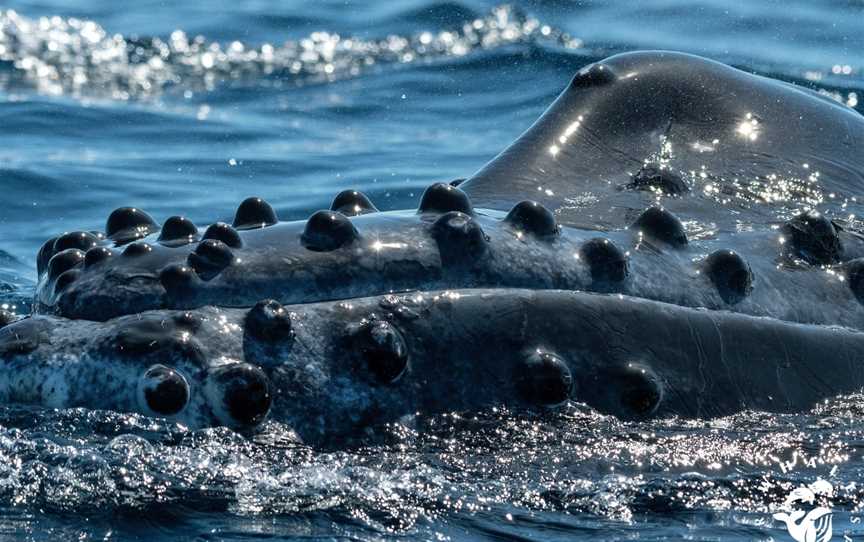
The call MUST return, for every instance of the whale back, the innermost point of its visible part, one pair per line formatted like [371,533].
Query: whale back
[729,138]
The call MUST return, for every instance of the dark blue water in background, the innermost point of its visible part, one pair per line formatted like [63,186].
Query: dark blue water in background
[187,108]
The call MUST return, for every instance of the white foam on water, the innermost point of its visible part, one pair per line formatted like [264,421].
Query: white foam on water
[70,56]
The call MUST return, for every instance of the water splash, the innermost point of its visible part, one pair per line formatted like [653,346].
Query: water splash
[473,466]
[70,56]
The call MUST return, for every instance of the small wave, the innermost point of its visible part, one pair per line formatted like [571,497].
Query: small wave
[70,56]
[455,468]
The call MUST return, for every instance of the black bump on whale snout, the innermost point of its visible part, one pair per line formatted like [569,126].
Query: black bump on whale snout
[543,378]
[240,394]
[606,262]
[254,213]
[640,391]
[225,233]
[593,75]
[659,224]
[383,350]
[177,279]
[730,274]
[178,230]
[137,249]
[461,240]
[64,261]
[533,218]
[813,238]
[210,258]
[654,178]
[129,223]
[269,321]
[65,279]
[97,255]
[328,230]
[82,240]
[444,198]
[352,203]
[630,392]
[164,391]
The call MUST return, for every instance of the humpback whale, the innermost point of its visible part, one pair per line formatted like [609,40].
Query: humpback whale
[672,237]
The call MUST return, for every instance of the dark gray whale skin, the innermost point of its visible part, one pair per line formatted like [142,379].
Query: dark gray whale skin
[440,351]
[398,251]
[619,113]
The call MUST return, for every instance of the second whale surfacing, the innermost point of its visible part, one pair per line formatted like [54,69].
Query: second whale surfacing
[332,370]
[569,267]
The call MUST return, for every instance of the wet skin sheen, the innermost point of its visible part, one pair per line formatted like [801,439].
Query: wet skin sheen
[332,369]
[670,237]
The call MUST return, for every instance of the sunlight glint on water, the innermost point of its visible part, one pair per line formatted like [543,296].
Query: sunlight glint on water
[107,105]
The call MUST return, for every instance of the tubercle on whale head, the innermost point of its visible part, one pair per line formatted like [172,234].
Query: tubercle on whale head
[352,203]
[658,224]
[163,391]
[178,230]
[606,263]
[209,258]
[442,198]
[533,218]
[254,213]
[127,224]
[731,274]
[461,241]
[64,261]
[326,231]
[544,378]
[630,391]
[813,238]
[659,179]
[226,233]
[240,394]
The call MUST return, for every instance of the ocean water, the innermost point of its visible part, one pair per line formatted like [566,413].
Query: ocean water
[187,108]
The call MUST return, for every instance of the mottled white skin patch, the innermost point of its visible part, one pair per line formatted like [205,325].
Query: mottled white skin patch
[56,390]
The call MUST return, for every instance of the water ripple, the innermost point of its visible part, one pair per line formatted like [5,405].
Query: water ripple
[57,55]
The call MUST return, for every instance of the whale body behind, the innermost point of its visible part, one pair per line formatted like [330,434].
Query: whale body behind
[737,140]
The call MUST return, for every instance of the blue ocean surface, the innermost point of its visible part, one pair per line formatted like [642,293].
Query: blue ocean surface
[187,108]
